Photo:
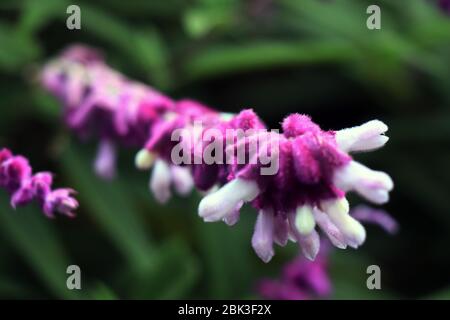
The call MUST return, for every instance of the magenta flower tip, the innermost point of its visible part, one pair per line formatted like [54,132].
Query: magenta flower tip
[24,187]
[297,124]
[60,201]
[4,155]
[246,120]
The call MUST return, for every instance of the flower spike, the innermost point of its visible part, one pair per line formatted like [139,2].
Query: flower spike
[296,179]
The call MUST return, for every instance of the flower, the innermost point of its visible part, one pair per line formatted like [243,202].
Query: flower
[105,161]
[61,201]
[101,102]
[297,180]
[308,189]
[24,187]
[158,151]
[301,279]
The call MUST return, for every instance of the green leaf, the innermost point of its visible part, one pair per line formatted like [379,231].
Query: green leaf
[151,54]
[102,292]
[16,50]
[45,104]
[440,295]
[36,14]
[228,257]
[171,273]
[198,22]
[226,59]
[144,49]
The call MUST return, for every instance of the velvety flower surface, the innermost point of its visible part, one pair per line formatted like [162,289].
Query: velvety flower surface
[101,102]
[186,117]
[296,179]
[307,192]
[17,178]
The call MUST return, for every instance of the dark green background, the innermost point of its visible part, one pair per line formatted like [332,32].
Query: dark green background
[309,56]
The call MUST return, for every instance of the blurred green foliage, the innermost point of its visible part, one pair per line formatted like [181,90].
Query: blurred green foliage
[309,56]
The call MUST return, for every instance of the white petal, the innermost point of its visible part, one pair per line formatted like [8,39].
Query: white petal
[105,161]
[310,245]
[370,144]
[337,210]
[160,181]
[262,240]
[373,185]
[211,190]
[232,218]
[182,179]
[366,137]
[218,205]
[336,237]
[291,236]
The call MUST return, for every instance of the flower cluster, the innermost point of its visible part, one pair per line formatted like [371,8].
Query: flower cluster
[308,190]
[305,192]
[302,279]
[17,178]
[100,102]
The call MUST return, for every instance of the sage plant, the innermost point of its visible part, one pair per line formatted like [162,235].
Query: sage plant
[296,179]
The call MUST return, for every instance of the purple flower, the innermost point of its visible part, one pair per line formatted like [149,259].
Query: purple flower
[60,201]
[375,216]
[297,179]
[101,102]
[195,122]
[159,147]
[24,187]
[301,279]
[314,172]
